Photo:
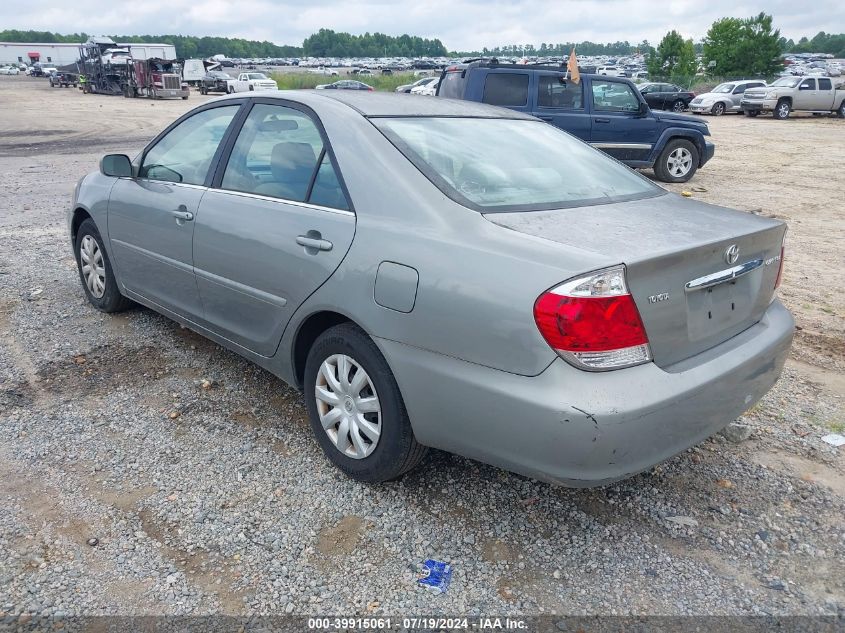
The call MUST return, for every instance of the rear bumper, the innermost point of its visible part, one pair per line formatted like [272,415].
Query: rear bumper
[578,428]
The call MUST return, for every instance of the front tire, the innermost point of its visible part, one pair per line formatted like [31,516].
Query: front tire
[356,410]
[678,161]
[718,109]
[782,110]
[95,271]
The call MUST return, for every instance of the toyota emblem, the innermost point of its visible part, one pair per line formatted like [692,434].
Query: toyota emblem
[732,254]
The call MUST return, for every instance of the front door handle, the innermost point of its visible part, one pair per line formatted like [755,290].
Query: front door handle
[184,216]
[314,242]
[598,120]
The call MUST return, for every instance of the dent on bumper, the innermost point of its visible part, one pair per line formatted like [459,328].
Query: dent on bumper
[578,428]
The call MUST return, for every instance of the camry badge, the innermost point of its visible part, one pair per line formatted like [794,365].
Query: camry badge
[732,254]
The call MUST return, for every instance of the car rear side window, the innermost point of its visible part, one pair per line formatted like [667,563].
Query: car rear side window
[278,153]
[555,91]
[824,84]
[506,89]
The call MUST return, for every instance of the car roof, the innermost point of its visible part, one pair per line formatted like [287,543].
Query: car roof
[375,104]
[386,104]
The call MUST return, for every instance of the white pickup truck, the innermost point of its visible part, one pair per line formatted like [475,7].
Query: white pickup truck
[252,81]
[819,95]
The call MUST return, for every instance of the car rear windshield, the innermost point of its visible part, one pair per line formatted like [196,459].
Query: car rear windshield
[498,165]
[452,85]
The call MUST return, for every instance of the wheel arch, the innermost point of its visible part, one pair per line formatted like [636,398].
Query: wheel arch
[80,214]
[671,134]
[308,331]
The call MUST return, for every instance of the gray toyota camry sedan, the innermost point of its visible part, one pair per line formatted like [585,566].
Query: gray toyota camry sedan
[438,273]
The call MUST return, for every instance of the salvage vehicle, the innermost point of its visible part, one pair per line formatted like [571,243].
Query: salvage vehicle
[61,79]
[252,81]
[156,79]
[817,95]
[563,317]
[345,84]
[660,96]
[215,81]
[726,97]
[613,117]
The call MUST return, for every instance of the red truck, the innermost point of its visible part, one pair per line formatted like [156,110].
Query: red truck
[156,79]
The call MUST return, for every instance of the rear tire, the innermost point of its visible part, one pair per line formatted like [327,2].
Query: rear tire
[841,111]
[678,161]
[395,450]
[89,242]
[718,109]
[752,113]
[679,106]
[782,110]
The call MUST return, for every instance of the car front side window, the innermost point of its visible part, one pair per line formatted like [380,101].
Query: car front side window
[185,153]
[613,96]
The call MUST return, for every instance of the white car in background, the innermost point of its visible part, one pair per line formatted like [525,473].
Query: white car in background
[252,81]
[9,70]
[427,89]
[609,71]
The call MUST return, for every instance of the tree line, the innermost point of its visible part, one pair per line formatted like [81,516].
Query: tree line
[325,43]
[733,46]
[328,43]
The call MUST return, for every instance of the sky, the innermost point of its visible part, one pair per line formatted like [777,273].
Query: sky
[459,24]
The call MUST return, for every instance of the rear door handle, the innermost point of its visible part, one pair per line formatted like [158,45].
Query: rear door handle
[600,120]
[313,242]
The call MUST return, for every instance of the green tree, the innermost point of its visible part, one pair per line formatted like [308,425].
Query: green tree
[747,47]
[674,57]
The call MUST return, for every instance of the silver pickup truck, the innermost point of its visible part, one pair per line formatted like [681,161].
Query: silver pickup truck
[819,95]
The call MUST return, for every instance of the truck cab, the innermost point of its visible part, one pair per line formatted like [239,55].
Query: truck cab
[607,112]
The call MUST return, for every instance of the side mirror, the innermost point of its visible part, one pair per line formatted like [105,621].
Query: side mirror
[116,165]
[644,110]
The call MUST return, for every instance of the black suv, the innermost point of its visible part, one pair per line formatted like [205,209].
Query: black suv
[607,112]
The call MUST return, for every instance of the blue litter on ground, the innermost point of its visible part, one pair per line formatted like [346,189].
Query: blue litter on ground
[436,575]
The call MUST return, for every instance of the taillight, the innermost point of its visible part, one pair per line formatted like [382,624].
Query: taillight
[593,323]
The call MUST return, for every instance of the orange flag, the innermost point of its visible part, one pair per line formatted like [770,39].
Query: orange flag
[572,67]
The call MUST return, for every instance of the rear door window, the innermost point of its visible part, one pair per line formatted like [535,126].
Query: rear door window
[555,91]
[824,84]
[280,153]
[506,89]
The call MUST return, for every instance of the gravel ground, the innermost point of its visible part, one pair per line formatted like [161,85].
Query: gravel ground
[145,470]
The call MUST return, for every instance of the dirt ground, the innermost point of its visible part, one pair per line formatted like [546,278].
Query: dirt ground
[792,170]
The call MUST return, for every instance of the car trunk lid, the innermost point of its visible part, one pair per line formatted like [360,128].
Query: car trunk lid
[676,252]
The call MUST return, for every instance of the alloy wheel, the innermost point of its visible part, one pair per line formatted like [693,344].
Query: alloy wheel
[783,110]
[93,269]
[679,162]
[348,406]
[679,106]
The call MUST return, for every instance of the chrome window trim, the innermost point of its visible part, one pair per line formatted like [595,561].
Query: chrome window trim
[720,277]
[296,203]
[186,185]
